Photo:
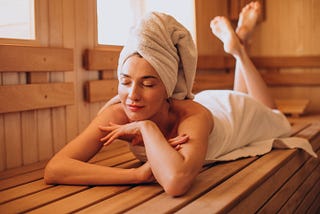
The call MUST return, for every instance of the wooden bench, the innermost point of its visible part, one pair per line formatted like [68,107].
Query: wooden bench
[284,181]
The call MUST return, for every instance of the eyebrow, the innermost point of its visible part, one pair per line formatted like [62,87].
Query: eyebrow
[144,77]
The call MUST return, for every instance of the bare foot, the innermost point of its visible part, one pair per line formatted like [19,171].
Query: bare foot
[248,19]
[222,29]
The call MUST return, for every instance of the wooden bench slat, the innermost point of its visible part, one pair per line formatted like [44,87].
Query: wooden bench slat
[126,157]
[101,90]
[23,190]
[229,194]
[86,197]
[315,207]
[109,153]
[289,188]
[125,200]
[307,201]
[15,98]
[297,127]
[26,58]
[21,179]
[224,197]
[38,199]
[261,195]
[207,180]
[82,199]
[301,193]
[244,180]
[38,174]
[310,132]
[22,170]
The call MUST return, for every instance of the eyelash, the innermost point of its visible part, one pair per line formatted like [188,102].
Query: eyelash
[144,85]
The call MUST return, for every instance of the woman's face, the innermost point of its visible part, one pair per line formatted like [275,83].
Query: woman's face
[141,90]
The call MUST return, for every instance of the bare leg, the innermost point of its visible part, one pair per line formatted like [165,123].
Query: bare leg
[248,19]
[255,85]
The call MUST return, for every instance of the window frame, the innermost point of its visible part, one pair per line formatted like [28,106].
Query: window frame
[28,42]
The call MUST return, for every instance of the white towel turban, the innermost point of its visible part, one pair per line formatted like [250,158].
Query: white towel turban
[168,46]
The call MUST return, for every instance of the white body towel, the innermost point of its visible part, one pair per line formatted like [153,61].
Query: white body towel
[243,127]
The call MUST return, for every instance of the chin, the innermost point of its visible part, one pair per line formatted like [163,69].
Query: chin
[136,117]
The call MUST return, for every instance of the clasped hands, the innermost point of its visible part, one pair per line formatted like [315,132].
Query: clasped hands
[131,132]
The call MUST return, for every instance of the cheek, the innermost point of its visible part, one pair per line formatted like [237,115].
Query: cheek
[122,92]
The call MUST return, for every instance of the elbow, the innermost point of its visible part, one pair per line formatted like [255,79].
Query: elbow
[51,172]
[177,185]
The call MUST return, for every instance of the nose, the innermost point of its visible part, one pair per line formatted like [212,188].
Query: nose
[134,92]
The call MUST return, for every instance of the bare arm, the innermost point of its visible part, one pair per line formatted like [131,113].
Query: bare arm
[69,166]
[174,170]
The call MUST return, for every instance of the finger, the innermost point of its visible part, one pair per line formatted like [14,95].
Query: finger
[178,147]
[179,140]
[107,128]
[109,138]
[172,140]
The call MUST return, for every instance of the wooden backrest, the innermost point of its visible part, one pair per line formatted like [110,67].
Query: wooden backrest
[37,93]
[214,72]
[106,63]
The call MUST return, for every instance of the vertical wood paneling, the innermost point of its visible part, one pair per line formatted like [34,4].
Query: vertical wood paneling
[69,42]
[82,43]
[43,116]
[3,155]
[56,40]
[2,138]
[12,129]
[207,43]
[29,137]
[45,142]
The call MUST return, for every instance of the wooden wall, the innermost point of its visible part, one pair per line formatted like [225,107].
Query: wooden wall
[35,135]
[30,136]
[290,28]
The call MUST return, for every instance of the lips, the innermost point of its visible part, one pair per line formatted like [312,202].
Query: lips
[134,108]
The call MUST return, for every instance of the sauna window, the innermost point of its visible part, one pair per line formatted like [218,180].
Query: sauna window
[17,19]
[115,18]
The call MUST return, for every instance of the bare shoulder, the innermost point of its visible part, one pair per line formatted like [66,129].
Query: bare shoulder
[193,114]
[113,113]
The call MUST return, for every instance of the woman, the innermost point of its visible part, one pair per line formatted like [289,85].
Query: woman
[154,109]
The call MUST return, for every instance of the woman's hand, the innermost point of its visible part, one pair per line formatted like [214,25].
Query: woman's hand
[128,132]
[144,174]
[177,141]
[131,132]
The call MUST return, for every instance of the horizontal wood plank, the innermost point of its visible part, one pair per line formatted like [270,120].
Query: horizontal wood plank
[272,186]
[14,98]
[237,188]
[244,184]
[287,62]
[101,90]
[290,187]
[213,80]
[25,58]
[291,79]
[224,80]
[213,62]
[101,60]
